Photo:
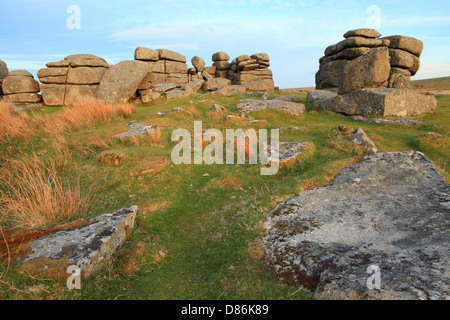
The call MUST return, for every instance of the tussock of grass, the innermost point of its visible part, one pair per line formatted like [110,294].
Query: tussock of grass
[32,193]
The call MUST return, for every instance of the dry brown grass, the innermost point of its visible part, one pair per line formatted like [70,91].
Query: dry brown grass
[86,113]
[32,193]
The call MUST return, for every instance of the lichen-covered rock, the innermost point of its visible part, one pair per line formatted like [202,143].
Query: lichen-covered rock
[285,154]
[252,105]
[316,95]
[87,247]
[391,210]
[380,101]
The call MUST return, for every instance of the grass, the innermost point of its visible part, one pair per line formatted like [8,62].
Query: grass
[199,227]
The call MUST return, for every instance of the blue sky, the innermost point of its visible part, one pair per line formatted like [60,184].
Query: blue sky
[293,33]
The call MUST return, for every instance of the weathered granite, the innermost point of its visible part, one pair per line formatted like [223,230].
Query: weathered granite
[87,247]
[360,137]
[285,153]
[407,122]
[252,105]
[135,129]
[380,101]
[391,210]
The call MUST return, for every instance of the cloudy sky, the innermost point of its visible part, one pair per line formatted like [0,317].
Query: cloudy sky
[293,32]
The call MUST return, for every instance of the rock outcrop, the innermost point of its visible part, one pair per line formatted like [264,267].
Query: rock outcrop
[3,73]
[87,247]
[121,81]
[380,101]
[251,105]
[221,63]
[19,88]
[404,55]
[252,72]
[72,80]
[163,66]
[390,211]
[372,76]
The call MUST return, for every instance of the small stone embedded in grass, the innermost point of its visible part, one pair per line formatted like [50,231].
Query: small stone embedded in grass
[433,136]
[111,158]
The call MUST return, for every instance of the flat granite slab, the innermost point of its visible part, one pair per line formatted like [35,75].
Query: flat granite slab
[252,105]
[390,211]
[86,247]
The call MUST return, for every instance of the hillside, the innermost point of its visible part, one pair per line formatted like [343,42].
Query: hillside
[435,84]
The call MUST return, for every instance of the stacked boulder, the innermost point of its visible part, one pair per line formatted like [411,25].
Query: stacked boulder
[20,88]
[221,63]
[3,73]
[252,72]
[72,80]
[375,82]
[164,66]
[196,71]
[405,53]
[357,43]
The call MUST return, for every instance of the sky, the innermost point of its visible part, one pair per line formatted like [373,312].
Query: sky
[294,33]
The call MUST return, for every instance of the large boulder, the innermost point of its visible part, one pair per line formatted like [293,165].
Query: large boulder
[409,44]
[380,101]
[165,54]
[19,84]
[146,54]
[330,74]
[198,63]
[405,60]
[3,70]
[388,213]
[121,81]
[368,71]
[220,56]
[86,60]
[366,33]
[252,105]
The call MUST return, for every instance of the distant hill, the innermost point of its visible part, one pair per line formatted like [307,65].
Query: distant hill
[432,84]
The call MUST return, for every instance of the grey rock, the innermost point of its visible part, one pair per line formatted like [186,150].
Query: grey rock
[217,107]
[368,71]
[360,137]
[134,130]
[285,154]
[380,101]
[87,247]
[391,210]
[251,105]
[407,122]
[317,95]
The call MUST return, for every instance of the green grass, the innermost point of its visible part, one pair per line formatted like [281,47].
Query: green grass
[205,243]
